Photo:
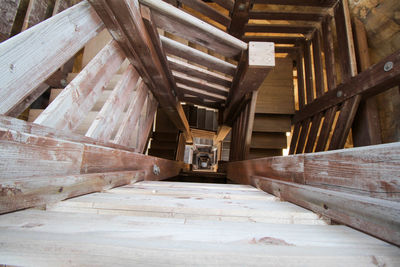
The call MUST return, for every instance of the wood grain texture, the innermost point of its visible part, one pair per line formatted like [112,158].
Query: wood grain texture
[130,121]
[20,56]
[8,15]
[208,11]
[323,3]
[38,11]
[145,127]
[24,193]
[69,109]
[377,217]
[103,126]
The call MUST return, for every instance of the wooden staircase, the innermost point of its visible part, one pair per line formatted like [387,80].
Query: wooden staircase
[274,107]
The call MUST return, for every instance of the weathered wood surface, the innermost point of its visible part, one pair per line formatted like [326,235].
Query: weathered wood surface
[130,121]
[371,171]
[29,155]
[273,15]
[193,238]
[8,15]
[278,28]
[368,83]
[146,127]
[378,217]
[195,30]
[68,110]
[24,193]
[103,126]
[207,11]
[24,58]
[196,56]
[136,42]
[38,11]
[200,93]
[240,16]
[323,3]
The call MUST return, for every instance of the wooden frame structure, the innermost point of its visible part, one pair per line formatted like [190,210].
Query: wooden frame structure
[47,161]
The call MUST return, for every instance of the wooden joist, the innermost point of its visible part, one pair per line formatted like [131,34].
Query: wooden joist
[240,16]
[322,3]
[227,4]
[378,217]
[195,30]
[200,93]
[273,39]
[371,171]
[38,11]
[207,11]
[37,191]
[103,126]
[195,71]
[69,109]
[278,28]
[252,71]
[24,58]
[178,49]
[145,126]
[136,42]
[372,81]
[268,15]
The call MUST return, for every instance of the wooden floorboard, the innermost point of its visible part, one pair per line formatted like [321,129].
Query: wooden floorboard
[218,225]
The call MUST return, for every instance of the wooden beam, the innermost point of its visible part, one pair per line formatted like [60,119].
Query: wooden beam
[327,40]
[38,11]
[227,4]
[196,56]
[240,17]
[195,71]
[195,30]
[252,71]
[22,157]
[305,126]
[322,3]
[9,14]
[20,73]
[207,11]
[300,77]
[369,171]
[69,109]
[344,122]
[33,192]
[201,84]
[295,138]
[329,118]
[373,81]
[200,93]
[201,102]
[136,42]
[308,75]
[145,127]
[223,131]
[318,67]
[249,124]
[106,121]
[312,136]
[377,217]
[129,122]
[273,39]
[278,28]
[268,15]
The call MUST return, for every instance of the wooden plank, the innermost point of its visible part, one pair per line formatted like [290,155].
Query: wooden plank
[305,125]
[199,83]
[271,123]
[103,126]
[318,67]
[196,56]
[38,11]
[15,73]
[366,128]
[200,93]
[192,70]
[274,39]
[278,28]
[300,78]
[295,137]
[67,110]
[146,126]
[249,124]
[131,118]
[344,122]
[268,15]
[223,131]
[7,18]
[368,83]
[377,217]
[136,42]
[327,3]
[308,67]
[329,52]
[36,129]
[227,4]
[61,5]
[32,192]
[252,71]
[240,16]
[195,30]
[326,129]
[312,136]
[207,11]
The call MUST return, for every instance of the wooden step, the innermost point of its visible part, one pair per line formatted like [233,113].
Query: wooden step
[271,123]
[268,140]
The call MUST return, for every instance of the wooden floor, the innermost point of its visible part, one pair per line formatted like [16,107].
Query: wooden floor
[183,224]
